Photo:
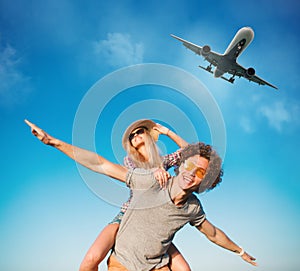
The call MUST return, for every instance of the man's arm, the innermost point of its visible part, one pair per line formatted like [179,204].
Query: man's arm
[218,237]
[86,158]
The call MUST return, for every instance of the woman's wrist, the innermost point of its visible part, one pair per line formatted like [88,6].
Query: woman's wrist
[54,142]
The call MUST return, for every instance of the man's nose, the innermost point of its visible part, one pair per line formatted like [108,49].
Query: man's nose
[193,172]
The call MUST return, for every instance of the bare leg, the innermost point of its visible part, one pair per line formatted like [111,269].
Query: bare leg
[177,261]
[100,248]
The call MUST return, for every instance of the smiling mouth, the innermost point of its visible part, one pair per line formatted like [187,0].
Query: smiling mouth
[188,180]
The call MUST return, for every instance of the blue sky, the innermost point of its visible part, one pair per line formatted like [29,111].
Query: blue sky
[54,59]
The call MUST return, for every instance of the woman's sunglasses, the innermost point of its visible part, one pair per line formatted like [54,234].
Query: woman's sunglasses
[139,131]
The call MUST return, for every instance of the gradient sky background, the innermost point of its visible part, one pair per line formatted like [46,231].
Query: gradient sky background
[53,52]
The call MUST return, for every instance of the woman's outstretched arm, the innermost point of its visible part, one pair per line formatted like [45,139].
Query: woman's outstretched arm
[84,157]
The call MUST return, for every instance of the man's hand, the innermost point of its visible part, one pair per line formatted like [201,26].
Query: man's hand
[248,258]
[218,237]
[162,177]
[40,134]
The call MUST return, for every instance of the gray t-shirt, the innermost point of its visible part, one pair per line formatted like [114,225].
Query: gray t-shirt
[150,223]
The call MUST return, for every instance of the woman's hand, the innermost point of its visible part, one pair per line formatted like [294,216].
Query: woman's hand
[161,129]
[162,177]
[40,134]
[172,135]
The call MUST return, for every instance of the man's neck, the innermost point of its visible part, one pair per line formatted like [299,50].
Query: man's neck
[177,195]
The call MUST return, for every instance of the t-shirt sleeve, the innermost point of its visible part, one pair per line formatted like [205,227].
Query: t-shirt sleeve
[198,220]
[199,214]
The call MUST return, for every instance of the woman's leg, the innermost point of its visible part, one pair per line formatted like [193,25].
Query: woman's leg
[100,248]
[177,262]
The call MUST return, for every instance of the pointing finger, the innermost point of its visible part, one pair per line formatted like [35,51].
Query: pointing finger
[33,126]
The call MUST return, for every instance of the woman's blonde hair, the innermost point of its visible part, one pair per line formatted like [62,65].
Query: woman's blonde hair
[155,158]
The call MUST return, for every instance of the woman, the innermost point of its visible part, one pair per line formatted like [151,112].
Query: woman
[139,142]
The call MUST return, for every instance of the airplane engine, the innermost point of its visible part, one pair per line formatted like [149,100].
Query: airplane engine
[250,72]
[205,50]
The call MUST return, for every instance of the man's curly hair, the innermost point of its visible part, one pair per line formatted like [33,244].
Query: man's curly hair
[214,172]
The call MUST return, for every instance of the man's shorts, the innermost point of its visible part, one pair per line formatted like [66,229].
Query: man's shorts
[114,265]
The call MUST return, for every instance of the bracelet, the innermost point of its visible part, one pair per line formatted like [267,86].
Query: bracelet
[242,252]
[168,131]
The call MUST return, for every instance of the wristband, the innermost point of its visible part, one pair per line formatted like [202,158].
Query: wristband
[242,252]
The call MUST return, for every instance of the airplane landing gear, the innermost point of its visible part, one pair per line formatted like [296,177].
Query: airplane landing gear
[208,68]
[231,79]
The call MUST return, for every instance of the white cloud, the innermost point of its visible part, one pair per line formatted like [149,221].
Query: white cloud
[247,125]
[279,114]
[118,50]
[13,84]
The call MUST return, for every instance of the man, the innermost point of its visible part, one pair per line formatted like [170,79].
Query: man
[155,215]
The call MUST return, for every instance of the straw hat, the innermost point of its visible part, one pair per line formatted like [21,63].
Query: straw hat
[149,124]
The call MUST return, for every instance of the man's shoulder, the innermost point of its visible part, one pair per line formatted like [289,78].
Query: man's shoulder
[194,202]
[193,199]
[142,171]
[196,210]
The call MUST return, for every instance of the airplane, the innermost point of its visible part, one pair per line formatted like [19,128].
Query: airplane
[227,62]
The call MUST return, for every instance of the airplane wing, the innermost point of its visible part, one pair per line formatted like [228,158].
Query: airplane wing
[211,56]
[240,71]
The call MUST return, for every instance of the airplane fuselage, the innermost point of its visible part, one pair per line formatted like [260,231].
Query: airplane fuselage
[238,44]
